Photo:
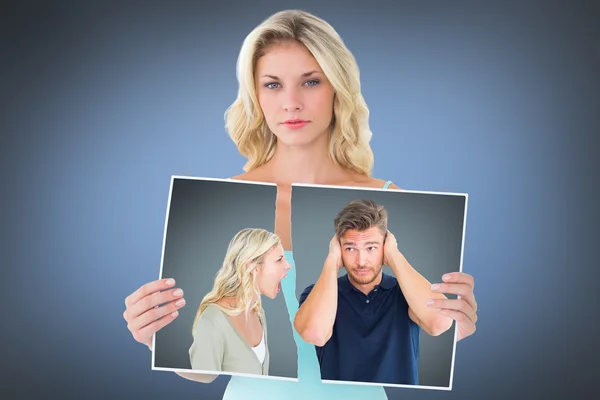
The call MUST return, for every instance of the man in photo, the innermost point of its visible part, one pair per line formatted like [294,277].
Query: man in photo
[365,325]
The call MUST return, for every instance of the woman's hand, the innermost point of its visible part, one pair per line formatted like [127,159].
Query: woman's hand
[152,307]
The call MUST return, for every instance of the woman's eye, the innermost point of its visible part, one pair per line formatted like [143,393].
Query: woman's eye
[271,85]
[312,82]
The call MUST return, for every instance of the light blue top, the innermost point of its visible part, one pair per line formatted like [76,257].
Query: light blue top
[309,385]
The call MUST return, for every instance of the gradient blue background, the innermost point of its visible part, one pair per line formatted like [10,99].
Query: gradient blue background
[103,101]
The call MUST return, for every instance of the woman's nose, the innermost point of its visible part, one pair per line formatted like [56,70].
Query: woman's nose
[292,102]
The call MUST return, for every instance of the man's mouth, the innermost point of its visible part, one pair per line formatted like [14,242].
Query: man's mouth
[362,271]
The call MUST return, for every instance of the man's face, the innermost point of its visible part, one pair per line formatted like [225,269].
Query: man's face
[362,254]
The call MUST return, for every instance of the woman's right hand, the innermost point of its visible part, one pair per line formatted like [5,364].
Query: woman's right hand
[151,307]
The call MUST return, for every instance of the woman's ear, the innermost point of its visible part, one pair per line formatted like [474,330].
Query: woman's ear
[250,266]
[253,266]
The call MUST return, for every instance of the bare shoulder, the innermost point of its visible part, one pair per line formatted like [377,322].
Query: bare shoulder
[246,176]
[256,175]
[370,182]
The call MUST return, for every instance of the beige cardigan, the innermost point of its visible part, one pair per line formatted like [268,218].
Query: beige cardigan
[218,346]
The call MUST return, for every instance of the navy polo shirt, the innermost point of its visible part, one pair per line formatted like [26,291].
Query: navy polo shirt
[373,339]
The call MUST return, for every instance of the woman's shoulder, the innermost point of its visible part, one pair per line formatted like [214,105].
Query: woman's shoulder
[371,182]
[256,175]
[246,176]
[212,316]
[382,183]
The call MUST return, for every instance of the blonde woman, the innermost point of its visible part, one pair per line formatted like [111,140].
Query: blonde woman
[299,117]
[230,329]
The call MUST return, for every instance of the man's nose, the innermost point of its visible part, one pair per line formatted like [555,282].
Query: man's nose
[362,257]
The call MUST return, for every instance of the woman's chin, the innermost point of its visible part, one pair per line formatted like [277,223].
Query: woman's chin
[274,293]
[271,295]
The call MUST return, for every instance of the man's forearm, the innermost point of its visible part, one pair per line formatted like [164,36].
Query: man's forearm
[417,290]
[315,318]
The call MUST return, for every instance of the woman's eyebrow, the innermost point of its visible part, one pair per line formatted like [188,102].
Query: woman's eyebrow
[304,75]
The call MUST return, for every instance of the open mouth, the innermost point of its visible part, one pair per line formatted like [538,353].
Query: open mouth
[279,284]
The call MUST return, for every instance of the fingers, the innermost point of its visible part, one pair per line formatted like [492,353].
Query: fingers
[390,244]
[465,326]
[144,313]
[334,245]
[463,309]
[459,305]
[465,292]
[151,301]
[335,241]
[459,277]
[144,335]
[459,289]
[147,289]
[155,312]
[388,236]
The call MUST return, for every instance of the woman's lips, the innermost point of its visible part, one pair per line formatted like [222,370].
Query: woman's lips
[295,124]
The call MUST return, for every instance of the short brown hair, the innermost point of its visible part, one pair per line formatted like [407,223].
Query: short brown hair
[361,215]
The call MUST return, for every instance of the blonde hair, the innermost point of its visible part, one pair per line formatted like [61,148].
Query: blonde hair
[350,133]
[236,277]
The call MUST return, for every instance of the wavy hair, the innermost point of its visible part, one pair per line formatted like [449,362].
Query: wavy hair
[235,278]
[349,134]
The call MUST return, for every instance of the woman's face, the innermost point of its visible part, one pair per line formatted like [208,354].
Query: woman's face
[294,94]
[270,273]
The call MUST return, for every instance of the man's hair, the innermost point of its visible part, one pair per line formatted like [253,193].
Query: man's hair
[361,215]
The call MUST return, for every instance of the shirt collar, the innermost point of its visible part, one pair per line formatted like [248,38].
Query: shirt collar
[387,282]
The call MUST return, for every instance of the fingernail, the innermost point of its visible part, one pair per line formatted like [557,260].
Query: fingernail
[174,314]
[178,293]
[429,302]
[435,286]
[180,302]
[446,277]
[170,282]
